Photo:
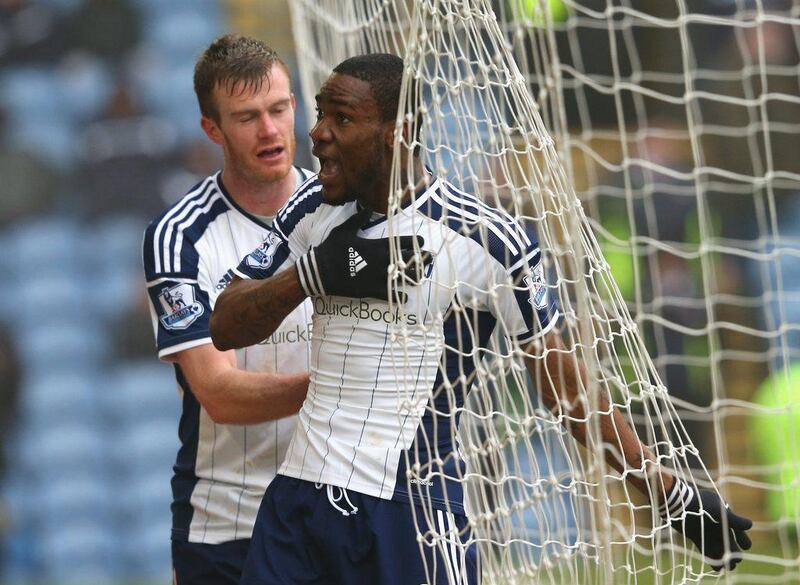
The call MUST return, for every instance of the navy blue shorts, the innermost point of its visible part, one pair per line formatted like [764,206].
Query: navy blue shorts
[194,563]
[303,537]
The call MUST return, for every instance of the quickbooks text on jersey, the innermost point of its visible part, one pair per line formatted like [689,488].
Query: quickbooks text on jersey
[361,309]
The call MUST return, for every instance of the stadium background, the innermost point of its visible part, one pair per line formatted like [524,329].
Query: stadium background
[99,132]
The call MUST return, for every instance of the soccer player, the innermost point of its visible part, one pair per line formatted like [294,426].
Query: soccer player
[234,429]
[360,416]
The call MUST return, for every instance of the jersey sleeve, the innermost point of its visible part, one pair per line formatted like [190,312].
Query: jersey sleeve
[516,291]
[179,291]
[272,256]
[533,296]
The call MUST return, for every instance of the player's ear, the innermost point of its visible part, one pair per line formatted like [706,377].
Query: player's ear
[294,103]
[388,134]
[211,129]
[407,133]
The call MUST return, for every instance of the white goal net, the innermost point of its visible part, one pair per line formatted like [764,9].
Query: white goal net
[653,147]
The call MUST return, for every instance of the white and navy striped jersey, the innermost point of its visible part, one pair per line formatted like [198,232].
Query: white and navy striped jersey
[221,470]
[385,381]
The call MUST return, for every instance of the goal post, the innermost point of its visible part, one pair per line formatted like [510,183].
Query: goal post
[651,147]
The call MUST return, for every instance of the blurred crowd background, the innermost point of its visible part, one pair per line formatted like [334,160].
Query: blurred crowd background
[99,132]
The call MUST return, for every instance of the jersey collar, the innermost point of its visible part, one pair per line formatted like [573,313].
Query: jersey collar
[412,204]
[298,180]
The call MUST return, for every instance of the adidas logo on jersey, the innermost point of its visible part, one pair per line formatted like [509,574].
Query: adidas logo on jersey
[356,262]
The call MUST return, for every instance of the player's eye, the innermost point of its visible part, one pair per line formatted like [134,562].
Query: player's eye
[319,113]
[342,119]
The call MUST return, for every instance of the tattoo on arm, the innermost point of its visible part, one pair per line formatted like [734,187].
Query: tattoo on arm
[249,311]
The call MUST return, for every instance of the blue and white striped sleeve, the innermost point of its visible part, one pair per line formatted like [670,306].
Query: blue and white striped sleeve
[272,256]
[524,301]
[534,295]
[180,304]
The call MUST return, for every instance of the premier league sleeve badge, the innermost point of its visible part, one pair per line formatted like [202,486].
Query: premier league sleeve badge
[537,287]
[179,307]
[262,256]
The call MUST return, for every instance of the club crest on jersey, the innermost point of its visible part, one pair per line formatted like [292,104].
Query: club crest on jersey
[537,288]
[262,256]
[179,307]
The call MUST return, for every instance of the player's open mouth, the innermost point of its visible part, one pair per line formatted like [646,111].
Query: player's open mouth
[329,169]
[270,153]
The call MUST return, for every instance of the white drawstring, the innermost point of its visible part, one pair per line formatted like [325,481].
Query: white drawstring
[334,500]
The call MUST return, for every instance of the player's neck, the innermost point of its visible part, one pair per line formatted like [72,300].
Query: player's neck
[259,198]
[419,180]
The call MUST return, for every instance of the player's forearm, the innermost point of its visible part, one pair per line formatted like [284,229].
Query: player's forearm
[242,398]
[249,311]
[562,384]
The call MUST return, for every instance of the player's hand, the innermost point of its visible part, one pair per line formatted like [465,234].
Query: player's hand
[348,265]
[704,518]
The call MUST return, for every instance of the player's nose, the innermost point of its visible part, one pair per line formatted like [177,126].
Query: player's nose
[320,132]
[266,126]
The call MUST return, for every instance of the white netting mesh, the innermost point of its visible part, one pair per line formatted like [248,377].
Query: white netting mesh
[675,124]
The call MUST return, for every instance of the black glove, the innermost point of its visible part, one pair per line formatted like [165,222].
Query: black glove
[348,265]
[698,515]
